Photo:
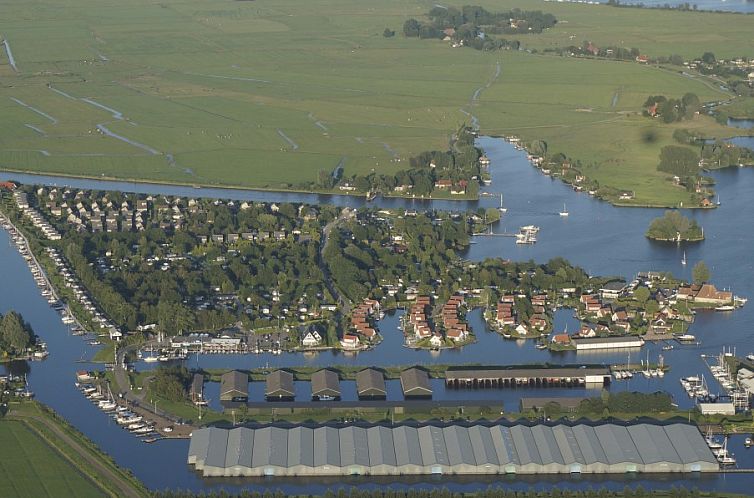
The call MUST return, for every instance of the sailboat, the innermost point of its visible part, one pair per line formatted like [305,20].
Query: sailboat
[564,212]
[718,200]
[683,261]
[502,208]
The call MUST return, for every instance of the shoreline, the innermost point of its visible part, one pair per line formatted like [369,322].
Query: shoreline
[200,186]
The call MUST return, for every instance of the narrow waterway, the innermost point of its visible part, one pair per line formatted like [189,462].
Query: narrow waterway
[602,239]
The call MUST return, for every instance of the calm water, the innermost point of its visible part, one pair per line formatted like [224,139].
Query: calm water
[741,123]
[743,6]
[602,239]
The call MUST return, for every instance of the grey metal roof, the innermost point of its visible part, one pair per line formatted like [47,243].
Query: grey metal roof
[415,382]
[279,383]
[405,449]
[370,382]
[234,383]
[325,383]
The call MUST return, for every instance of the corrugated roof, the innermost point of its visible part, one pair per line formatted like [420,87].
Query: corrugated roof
[513,373]
[453,448]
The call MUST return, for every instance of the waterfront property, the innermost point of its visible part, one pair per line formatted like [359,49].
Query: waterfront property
[497,377]
[415,383]
[370,384]
[279,386]
[451,449]
[590,343]
[234,386]
[325,385]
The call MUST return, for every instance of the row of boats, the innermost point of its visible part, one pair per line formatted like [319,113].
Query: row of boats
[695,386]
[527,234]
[720,450]
[130,421]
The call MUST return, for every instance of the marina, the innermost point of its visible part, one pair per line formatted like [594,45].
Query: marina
[577,242]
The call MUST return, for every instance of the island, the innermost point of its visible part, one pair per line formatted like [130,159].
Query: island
[675,227]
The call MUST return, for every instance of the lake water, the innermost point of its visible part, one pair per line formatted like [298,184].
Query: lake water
[600,238]
[741,6]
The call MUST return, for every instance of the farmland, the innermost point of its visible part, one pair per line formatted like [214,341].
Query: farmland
[266,94]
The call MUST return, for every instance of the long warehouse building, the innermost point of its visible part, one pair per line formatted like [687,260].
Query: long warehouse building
[452,449]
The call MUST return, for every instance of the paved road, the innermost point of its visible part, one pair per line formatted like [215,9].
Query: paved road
[124,488]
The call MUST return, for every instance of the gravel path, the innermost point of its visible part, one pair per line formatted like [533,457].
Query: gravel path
[38,130]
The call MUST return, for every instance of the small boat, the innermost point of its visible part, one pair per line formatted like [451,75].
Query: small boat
[685,338]
[144,430]
[749,442]
[728,307]
[683,261]
[541,346]
[151,359]
[750,356]
[564,212]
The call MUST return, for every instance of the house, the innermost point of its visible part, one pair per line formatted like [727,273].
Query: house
[443,184]
[456,334]
[350,341]
[561,339]
[311,339]
[708,294]
[435,341]
[612,290]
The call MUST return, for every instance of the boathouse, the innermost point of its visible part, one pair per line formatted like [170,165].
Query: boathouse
[370,384]
[325,385]
[279,386]
[628,341]
[498,377]
[234,386]
[415,383]
[197,388]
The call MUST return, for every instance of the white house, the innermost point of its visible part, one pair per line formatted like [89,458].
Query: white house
[312,338]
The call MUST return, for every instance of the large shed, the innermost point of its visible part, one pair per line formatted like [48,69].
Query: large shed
[325,385]
[234,386]
[279,386]
[450,449]
[415,383]
[370,384]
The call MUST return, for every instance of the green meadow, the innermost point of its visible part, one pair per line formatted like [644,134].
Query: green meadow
[267,93]
[30,467]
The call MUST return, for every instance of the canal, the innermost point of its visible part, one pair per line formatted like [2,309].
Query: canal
[602,239]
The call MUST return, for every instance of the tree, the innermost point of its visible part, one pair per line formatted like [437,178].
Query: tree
[678,160]
[411,28]
[388,33]
[709,58]
[700,273]
[14,333]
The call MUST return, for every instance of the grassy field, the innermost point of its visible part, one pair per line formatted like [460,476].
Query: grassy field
[265,94]
[30,467]
[44,456]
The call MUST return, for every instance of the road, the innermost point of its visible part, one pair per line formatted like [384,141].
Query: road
[124,488]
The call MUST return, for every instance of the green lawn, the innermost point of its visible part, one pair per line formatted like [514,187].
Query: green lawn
[29,467]
[267,93]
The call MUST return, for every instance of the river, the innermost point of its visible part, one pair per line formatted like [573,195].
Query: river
[601,238]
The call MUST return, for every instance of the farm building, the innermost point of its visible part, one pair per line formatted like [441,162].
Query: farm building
[451,449]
